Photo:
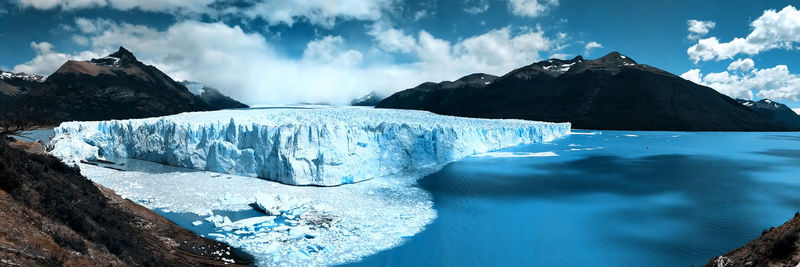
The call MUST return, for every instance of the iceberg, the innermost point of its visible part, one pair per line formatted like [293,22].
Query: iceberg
[299,146]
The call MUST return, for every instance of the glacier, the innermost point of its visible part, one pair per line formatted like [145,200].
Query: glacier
[299,146]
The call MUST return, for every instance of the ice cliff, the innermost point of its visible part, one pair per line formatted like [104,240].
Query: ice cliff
[329,146]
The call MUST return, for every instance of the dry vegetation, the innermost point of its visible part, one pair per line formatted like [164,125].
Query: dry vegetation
[50,215]
[776,246]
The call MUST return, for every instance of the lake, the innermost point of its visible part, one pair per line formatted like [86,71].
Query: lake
[609,199]
[605,198]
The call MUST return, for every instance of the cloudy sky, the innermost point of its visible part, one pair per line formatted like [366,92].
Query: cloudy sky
[275,51]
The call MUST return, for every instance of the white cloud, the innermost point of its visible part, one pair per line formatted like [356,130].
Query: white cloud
[497,51]
[774,29]
[796,110]
[723,82]
[741,64]
[47,60]
[169,6]
[324,13]
[531,8]
[591,45]
[246,67]
[330,50]
[693,75]
[63,4]
[392,40]
[560,56]
[698,28]
[775,83]
[421,14]
[476,6]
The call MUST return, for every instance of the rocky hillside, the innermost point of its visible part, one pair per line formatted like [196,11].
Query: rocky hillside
[777,246]
[613,92]
[53,216]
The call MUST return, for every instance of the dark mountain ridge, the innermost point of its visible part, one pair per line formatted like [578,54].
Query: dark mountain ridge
[773,110]
[212,96]
[114,87]
[613,92]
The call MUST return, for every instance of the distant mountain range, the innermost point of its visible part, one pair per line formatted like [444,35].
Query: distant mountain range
[212,96]
[369,100]
[613,92]
[773,110]
[114,87]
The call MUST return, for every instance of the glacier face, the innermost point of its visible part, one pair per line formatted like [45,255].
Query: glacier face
[299,146]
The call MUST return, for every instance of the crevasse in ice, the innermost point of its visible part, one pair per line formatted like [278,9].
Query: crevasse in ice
[299,146]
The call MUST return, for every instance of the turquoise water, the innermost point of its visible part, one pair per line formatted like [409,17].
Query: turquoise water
[637,199]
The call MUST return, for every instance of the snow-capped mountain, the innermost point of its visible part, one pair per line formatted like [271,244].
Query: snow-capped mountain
[368,100]
[212,96]
[558,65]
[117,86]
[11,76]
[611,92]
[15,85]
[773,110]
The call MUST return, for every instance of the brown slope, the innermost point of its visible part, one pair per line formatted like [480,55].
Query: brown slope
[777,246]
[115,87]
[50,215]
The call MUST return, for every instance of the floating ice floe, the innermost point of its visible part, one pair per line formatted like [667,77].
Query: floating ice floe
[518,154]
[585,148]
[305,226]
[330,146]
[587,133]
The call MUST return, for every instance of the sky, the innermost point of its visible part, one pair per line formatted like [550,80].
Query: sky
[306,51]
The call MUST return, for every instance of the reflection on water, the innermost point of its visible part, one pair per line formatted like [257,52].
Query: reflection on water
[617,198]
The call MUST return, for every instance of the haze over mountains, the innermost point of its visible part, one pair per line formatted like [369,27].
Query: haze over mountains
[613,92]
[114,87]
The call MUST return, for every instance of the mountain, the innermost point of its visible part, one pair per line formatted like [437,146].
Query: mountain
[13,85]
[117,86]
[368,100]
[439,97]
[114,87]
[773,110]
[212,96]
[613,92]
